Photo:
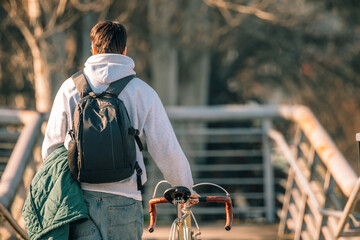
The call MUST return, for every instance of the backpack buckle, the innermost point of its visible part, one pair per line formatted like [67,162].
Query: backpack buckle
[139,171]
[134,131]
[138,176]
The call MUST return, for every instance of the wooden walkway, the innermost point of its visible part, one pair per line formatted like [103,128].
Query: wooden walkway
[217,232]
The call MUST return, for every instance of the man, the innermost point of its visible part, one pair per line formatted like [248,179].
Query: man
[115,209]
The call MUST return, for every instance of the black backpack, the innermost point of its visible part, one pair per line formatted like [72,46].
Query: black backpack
[102,147]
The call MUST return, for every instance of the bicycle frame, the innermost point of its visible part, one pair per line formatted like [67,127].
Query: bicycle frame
[182,225]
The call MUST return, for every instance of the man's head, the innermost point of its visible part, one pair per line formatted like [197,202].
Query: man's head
[108,37]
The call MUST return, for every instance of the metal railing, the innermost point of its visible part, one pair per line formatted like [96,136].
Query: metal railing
[322,188]
[12,175]
[236,146]
[227,145]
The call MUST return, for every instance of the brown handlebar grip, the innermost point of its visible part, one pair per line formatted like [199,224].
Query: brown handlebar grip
[152,211]
[228,207]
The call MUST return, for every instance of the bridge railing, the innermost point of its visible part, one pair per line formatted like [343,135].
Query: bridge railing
[29,123]
[226,145]
[322,188]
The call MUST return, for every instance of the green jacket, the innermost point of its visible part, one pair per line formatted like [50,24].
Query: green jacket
[55,199]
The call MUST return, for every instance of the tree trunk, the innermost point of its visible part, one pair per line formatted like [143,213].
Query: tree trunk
[194,83]
[164,53]
[195,55]
[180,55]
[87,22]
[42,84]
[56,62]
[164,66]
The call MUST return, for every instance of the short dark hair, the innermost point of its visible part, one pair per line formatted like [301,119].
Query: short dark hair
[108,37]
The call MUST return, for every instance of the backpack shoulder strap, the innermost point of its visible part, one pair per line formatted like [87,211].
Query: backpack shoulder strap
[116,87]
[81,84]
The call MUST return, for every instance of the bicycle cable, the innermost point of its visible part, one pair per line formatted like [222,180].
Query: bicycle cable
[202,184]
[197,226]
[196,185]
[173,226]
[157,185]
[212,184]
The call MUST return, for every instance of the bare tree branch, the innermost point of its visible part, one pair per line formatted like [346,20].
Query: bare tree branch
[241,9]
[61,7]
[96,6]
[104,11]
[59,27]
[125,15]
[231,20]
[33,11]
[23,28]
[52,21]
[227,15]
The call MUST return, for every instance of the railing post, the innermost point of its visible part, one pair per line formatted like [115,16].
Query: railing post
[300,218]
[7,215]
[349,207]
[286,204]
[357,136]
[351,203]
[268,173]
[328,188]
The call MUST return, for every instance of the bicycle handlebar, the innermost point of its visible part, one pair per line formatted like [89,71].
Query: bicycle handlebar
[228,205]
[152,211]
[218,199]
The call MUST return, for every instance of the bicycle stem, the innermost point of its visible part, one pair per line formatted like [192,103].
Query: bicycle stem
[184,223]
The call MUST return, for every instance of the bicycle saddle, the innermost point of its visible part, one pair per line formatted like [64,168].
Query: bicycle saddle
[177,193]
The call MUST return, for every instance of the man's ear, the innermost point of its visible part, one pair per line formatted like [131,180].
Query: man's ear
[124,52]
[93,49]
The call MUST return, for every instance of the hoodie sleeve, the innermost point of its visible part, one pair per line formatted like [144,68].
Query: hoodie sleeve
[164,147]
[56,129]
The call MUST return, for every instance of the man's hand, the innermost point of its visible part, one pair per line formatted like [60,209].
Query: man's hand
[194,199]
[195,195]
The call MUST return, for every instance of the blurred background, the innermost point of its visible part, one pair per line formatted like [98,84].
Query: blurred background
[201,53]
[198,52]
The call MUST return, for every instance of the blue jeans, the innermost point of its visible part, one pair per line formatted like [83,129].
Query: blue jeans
[111,217]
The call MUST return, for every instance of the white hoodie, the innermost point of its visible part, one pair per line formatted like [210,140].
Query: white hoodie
[146,114]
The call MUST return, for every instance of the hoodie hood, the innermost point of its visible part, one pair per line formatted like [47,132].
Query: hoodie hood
[103,69]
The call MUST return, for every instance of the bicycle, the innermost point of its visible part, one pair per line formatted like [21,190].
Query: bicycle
[180,196]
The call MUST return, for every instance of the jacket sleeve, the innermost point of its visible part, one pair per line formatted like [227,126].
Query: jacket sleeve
[164,147]
[57,125]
